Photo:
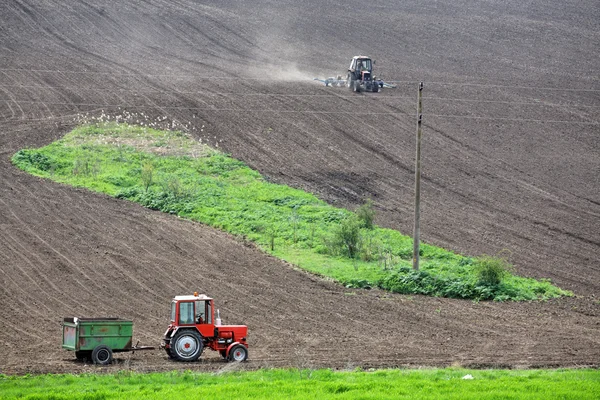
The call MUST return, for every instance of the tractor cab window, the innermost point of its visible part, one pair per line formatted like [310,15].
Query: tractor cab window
[186,313]
[363,65]
[208,318]
[203,312]
[200,312]
[173,308]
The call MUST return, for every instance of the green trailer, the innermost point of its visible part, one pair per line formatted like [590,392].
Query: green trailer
[96,339]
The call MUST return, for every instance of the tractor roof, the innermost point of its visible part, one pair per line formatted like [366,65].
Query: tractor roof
[361,57]
[192,297]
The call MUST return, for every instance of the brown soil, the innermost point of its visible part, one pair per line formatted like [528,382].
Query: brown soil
[502,170]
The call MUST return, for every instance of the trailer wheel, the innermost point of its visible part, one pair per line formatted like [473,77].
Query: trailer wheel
[186,345]
[102,355]
[239,353]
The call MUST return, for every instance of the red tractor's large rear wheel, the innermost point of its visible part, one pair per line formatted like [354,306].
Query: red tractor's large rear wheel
[186,345]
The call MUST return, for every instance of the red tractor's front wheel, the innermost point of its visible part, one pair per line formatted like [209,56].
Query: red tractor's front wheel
[186,345]
[239,353]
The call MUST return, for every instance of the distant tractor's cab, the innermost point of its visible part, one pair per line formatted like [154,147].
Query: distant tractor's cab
[193,327]
[360,75]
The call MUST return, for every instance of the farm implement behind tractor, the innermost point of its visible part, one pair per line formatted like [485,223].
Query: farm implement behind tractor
[359,78]
[194,327]
[96,339]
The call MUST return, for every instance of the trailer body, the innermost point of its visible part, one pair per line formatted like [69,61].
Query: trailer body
[85,334]
[96,339]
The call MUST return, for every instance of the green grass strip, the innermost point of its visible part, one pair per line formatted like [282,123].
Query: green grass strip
[171,172]
[310,384]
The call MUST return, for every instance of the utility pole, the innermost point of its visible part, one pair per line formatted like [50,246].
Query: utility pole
[416,233]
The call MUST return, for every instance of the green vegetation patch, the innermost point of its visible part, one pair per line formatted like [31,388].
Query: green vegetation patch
[313,384]
[171,172]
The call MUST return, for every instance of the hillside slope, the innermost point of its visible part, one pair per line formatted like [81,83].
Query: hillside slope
[511,161]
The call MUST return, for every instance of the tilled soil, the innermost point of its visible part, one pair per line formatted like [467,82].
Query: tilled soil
[511,160]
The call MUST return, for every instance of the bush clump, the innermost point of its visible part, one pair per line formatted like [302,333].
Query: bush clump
[346,236]
[490,271]
[366,214]
[32,159]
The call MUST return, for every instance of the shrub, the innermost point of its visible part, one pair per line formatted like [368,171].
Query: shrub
[491,270]
[33,158]
[172,185]
[366,214]
[146,175]
[346,236]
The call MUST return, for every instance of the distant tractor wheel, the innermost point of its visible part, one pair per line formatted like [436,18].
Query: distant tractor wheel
[350,82]
[223,353]
[375,88]
[356,87]
[186,345]
[102,355]
[239,353]
[82,355]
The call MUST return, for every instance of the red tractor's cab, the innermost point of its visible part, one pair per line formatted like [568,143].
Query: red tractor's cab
[193,327]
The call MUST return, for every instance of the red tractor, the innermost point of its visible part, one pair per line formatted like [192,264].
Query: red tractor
[193,327]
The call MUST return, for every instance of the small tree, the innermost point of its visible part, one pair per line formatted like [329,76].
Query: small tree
[346,236]
[272,234]
[147,175]
[294,221]
[366,214]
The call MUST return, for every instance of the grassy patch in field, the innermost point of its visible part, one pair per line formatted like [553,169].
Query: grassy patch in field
[313,384]
[171,172]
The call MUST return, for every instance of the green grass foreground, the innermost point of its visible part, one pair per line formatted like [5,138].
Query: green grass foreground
[310,384]
[171,172]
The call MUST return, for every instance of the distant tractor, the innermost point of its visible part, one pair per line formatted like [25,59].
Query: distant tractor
[193,327]
[360,75]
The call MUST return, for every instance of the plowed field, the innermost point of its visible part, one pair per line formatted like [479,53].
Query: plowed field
[511,160]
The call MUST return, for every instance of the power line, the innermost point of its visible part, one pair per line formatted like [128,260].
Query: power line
[516,119]
[505,86]
[257,94]
[275,111]
[285,80]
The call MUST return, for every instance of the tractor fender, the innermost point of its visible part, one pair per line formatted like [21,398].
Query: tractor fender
[172,331]
[169,332]
[231,346]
